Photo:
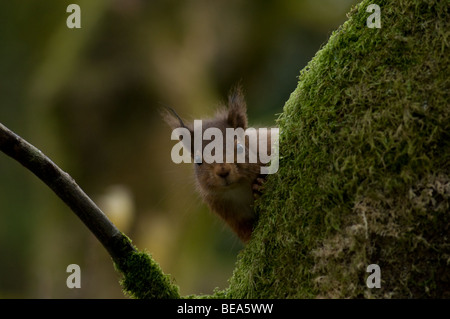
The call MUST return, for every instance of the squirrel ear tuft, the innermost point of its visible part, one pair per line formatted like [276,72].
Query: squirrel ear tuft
[171,118]
[237,109]
[174,121]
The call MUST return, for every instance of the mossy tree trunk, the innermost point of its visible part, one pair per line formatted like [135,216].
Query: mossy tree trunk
[364,166]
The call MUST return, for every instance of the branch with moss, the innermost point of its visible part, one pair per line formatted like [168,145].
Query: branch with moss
[142,276]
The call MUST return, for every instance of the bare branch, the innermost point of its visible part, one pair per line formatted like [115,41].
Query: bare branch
[116,243]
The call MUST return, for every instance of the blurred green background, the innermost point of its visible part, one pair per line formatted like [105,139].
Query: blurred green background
[88,98]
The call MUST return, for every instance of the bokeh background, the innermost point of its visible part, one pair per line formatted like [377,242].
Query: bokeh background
[89,99]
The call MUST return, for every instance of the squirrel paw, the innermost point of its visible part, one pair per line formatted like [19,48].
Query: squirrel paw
[258,187]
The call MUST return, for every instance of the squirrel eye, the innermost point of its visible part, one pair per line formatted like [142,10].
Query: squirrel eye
[239,148]
[198,159]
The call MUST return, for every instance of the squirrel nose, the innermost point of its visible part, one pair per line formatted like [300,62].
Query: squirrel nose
[223,171]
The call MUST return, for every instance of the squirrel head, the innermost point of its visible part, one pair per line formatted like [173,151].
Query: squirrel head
[215,178]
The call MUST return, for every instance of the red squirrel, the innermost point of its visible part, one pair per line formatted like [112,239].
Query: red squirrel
[228,188]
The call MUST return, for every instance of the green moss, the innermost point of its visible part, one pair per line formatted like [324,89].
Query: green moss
[364,172]
[144,279]
[364,168]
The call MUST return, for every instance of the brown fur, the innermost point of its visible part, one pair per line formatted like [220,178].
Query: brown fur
[227,188]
